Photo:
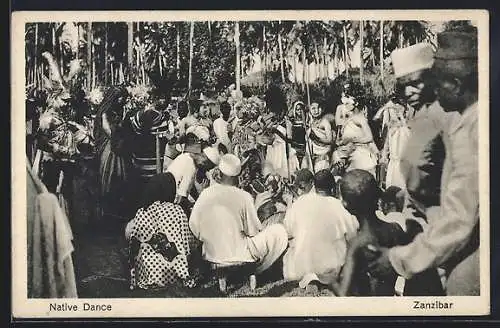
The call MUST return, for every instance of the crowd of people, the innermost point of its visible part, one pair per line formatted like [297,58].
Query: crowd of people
[297,193]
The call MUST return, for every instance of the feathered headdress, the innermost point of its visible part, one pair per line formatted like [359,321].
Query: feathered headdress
[57,85]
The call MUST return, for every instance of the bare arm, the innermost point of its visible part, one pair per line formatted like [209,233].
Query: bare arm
[323,132]
[342,288]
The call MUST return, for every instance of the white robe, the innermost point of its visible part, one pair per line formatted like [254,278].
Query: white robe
[225,220]
[396,139]
[318,229]
[276,157]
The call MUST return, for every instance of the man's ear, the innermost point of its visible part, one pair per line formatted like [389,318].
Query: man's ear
[458,86]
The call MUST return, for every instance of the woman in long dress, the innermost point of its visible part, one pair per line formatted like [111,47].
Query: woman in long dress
[114,160]
[161,245]
[356,145]
[398,132]
[296,128]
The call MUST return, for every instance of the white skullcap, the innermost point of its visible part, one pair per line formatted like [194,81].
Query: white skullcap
[213,154]
[230,165]
[412,59]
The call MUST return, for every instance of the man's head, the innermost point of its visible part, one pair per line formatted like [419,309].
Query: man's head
[230,169]
[392,200]
[412,71]
[359,192]
[204,105]
[225,110]
[182,109]
[304,181]
[208,159]
[456,69]
[194,107]
[204,110]
[324,183]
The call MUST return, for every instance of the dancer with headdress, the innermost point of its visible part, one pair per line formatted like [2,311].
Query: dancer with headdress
[60,138]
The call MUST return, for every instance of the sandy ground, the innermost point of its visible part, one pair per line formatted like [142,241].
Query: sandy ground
[100,257]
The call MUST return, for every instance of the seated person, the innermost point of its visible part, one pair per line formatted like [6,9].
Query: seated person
[319,228]
[225,220]
[303,183]
[360,195]
[160,242]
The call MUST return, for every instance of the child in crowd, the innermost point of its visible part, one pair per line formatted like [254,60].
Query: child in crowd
[360,194]
[391,211]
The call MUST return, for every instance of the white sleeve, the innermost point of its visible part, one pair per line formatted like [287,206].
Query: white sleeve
[457,215]
[289,220]
[186,183]
[194,219]
[252,222]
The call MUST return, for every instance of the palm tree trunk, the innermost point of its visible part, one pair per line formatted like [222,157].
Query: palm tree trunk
[122,77]
[281,54]
[325,59]
[130,48]
[190,78]
[94,75]
[36,54]
[78,41]
[106,63]
[346,54]
[137,64]
[238,59]
[264,49]
[361,64]
[160,63]
[306,75]
[401,39]
[305,68]
[53,29]
[294,68]
[178,53]
[382,50]
[113,75]
[89,55]
[61,58]
[317,63]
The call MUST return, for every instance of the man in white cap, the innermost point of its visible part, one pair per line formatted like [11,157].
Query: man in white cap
[451,239]
[224,219]
[421,162]
[184,168]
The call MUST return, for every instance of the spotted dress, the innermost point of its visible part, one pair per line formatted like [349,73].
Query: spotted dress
[160,245]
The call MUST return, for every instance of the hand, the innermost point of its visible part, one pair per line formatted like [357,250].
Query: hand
[382,267]
[205,183]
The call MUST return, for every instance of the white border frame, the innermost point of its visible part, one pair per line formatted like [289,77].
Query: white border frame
[23,307]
